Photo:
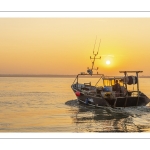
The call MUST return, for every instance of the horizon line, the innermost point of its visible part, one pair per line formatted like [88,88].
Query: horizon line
[53,75]
[36,74]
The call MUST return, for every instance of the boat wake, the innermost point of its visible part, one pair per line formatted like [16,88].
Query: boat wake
[128,119]
[131,111]
[137,111]
[72,103]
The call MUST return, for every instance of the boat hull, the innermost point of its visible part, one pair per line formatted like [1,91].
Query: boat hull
[99,101]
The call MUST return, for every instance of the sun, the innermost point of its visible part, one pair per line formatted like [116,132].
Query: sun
[107,62]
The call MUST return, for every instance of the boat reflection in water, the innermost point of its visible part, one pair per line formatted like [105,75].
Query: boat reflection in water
[89,119]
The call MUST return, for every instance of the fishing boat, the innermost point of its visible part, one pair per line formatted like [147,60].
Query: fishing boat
[109,91]
[106,95]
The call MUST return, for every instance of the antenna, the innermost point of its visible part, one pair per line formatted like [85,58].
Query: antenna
[90,71]
[94,45]
[99,46]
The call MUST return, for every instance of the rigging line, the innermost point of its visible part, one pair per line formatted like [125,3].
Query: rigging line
[98,46]
[94,45]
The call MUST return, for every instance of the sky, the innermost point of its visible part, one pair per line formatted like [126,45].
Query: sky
[63,46]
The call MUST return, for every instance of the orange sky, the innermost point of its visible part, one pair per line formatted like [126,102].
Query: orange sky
[64,45]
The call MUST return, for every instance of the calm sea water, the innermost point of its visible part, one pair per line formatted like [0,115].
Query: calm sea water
[48,104]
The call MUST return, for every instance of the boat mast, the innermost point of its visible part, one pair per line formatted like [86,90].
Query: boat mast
[90,71]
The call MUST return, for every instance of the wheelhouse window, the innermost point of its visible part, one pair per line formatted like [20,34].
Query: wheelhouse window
[108,82]
[111,82]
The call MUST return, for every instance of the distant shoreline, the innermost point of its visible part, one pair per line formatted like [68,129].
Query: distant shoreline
[57,76]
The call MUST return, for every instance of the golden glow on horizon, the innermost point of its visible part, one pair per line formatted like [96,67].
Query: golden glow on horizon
[64,45]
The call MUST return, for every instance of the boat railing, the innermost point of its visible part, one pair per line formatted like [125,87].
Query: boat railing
[76,79]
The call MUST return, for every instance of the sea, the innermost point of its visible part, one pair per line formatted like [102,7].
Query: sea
[48,104]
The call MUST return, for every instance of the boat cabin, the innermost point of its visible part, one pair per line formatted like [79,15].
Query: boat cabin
[117,90]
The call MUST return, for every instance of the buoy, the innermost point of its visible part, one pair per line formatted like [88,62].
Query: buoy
[77,93]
